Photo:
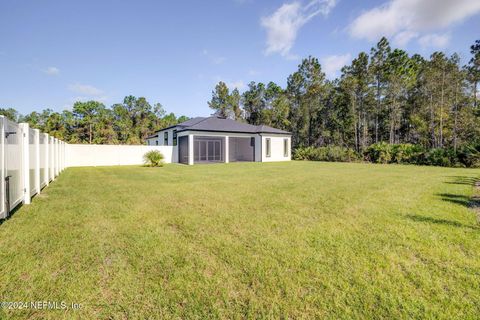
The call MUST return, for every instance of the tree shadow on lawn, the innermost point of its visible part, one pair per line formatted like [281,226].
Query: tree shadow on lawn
[457,199]
[463,180]
[445,222]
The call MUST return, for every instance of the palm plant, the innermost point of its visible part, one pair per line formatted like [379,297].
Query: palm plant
[153,158]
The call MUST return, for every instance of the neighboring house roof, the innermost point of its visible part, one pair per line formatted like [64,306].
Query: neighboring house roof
[220,124]
[153,136]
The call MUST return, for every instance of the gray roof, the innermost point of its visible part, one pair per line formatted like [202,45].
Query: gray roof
[220,124]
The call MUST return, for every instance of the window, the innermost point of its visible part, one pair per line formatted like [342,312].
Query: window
[165,138]
[156,142]
[174,137]
[268,147]
[285,147]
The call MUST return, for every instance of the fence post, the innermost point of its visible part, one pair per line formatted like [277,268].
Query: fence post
[56,157]
[47,159]
[37,161]
[50,158]
[26,162]
[64,145]
[63,155]
[3,169]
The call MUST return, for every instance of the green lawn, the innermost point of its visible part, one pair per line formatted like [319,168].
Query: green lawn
[253,240]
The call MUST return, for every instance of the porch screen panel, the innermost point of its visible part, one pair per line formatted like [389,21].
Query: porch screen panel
[183,149]
[208,149]
[241,149]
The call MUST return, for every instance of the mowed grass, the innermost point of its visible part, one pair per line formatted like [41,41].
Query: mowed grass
[252,240]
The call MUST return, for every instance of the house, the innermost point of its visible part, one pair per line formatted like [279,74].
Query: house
[218,139]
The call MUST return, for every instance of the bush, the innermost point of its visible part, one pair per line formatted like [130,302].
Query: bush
[407,153]
[153,158]
[379,153]
[329,153]
[303,153]
[382,152]
[440,157]
[395,153]
[469,156]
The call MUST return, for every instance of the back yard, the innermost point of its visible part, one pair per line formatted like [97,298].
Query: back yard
[298,239]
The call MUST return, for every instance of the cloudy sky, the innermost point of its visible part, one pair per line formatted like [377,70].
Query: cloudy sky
[53,53]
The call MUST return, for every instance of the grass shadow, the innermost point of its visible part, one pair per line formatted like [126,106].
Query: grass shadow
[463,180]
[456,199]
[445,222]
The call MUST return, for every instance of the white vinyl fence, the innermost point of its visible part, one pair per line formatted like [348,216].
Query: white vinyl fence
[85,155]
[29,160]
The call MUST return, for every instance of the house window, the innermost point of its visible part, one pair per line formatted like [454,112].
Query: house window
[156,142]
[165,139]
[285,147]
[174,137]
[268,147]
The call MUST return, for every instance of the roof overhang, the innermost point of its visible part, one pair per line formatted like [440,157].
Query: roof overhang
[233,132]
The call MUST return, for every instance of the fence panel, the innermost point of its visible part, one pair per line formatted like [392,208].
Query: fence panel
[51,175]
[56,157]
[3,213]
[43,159]
[27,159]
[32,161]
[84,155]
[13,163]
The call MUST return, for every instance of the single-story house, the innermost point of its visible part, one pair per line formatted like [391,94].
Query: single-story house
[218,139]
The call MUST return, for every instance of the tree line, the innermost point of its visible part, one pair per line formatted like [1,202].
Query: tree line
[129,122]
[384,96]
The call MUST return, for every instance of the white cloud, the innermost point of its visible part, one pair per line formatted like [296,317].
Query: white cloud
[213,58]
[408,19]
[85,89]
[52,71]
[434,40]
[332,64]
[282,26]
[240,85]
[403,38]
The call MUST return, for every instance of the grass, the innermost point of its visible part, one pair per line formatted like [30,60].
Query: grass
[252,240]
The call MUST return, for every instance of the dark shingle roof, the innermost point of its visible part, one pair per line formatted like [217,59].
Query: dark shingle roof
[224,125]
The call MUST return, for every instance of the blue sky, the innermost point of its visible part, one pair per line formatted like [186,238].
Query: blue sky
[53,53]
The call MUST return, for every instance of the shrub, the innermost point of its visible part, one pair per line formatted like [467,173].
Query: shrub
[407,153]
[329,153]
[153,158]
[469,156]
[303,153]
[379,152]
[440,157]
[382,152]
